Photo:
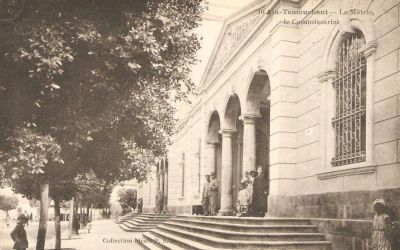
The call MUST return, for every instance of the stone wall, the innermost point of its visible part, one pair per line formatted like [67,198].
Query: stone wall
[345,218]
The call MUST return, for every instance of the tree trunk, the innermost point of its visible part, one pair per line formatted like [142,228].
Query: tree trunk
[91,213]
[87,213]
[71,218]
[57,224]
[44,209]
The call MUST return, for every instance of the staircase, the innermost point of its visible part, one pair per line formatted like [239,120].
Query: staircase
[201,232]
[126,217]
[142,222]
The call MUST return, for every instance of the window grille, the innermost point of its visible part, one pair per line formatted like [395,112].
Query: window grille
[350,87]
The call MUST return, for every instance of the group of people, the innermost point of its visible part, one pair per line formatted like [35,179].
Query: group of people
[210,195]
[251,199]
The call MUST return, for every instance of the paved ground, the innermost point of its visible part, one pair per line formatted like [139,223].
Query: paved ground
[105,235]
[6,242]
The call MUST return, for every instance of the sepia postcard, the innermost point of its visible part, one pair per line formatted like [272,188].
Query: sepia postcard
[200,124]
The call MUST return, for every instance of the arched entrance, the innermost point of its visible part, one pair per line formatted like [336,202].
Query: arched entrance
[233,131]
[214,148]
[257,124]
[234,126]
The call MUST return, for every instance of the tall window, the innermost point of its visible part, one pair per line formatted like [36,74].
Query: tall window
[350,87]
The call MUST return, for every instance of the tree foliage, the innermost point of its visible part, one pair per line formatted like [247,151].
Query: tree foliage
[93,75]
[8,202]
[87,88]
[92,191]
[127,199]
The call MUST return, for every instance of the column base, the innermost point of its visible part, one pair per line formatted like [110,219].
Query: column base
[225,212]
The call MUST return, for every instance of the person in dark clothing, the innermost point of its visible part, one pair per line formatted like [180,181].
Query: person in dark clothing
[213,194]
[18,235]
[206,197]
[250,188]
[76,224]
[259,194]
[140,205]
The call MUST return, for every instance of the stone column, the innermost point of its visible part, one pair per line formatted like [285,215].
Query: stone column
[162,174]
[249,142]
[165,185]
[161,164]
[226,173]
[157,187]
[158,177]
[211,154]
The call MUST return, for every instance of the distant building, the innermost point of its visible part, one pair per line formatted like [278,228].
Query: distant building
[316,103]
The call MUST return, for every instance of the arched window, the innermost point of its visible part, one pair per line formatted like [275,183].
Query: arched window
[350,111]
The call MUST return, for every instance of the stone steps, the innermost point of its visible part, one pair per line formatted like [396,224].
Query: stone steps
[142,222]
[250,227]
[148,220]
[134,223]
[152,242]
[217,232]
[232,235]
[251,220]
[186,239]
[136,229]
[126,217]
[177,242]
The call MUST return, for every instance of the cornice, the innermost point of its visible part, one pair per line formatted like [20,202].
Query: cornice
[347,172]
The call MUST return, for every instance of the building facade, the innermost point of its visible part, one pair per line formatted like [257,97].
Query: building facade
[310,91]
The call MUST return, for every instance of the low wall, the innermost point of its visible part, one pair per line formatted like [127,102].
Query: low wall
[345,217]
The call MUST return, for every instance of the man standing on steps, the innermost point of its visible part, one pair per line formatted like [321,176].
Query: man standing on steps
[259,193]
[140,205]
[206,196]
[213,194]
[159,202]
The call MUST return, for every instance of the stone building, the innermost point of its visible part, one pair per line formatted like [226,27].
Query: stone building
[310,90]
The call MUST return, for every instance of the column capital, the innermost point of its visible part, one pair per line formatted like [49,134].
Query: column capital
[249,118]
[369,48]
[227,132]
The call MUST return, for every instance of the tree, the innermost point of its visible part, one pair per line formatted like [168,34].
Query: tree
[8,203]
[127,199]
[93,81]
[29,160]
[92,191]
